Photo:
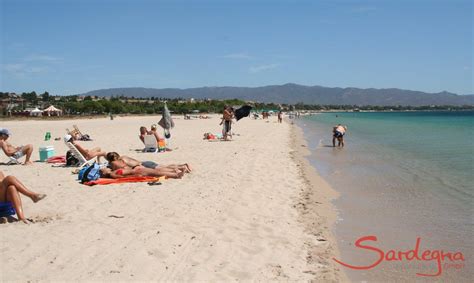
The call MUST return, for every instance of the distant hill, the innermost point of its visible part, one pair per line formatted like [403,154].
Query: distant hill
[293,93]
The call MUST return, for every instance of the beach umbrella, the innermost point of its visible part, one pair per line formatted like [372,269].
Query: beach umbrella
[242,112]
[166,122]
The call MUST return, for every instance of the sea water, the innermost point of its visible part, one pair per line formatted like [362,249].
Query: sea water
[402,176]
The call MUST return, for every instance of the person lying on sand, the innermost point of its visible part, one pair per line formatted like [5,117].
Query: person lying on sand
[140,171]
[88,153]
[10,189]
[119,162]
[15,152]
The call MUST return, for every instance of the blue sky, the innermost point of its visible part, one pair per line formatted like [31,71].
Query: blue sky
[73,46]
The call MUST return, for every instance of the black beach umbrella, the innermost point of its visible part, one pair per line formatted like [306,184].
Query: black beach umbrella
[242,112]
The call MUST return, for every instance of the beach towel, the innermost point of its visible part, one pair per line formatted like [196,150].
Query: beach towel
[57,159]
[136,179]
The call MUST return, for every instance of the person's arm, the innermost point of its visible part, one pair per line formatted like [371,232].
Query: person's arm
[142,138]
[114,175]
[9,150]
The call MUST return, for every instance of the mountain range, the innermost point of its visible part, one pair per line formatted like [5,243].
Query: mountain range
[293,93]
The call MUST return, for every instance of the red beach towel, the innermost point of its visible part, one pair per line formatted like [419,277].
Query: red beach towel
[107,181]
[57,159]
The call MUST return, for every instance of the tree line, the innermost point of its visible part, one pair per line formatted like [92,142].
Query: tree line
[77,105]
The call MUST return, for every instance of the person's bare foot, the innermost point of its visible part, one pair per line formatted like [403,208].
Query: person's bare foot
[28,163]
[24,221]
[38,197]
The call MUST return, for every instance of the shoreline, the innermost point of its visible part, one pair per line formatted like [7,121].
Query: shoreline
[317,213]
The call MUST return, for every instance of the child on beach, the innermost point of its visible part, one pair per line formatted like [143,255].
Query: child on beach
[10,189]
[15,152]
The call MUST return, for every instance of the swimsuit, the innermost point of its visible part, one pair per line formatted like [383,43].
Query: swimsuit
[227,126]
[338,134]
[149,164]
[19,153]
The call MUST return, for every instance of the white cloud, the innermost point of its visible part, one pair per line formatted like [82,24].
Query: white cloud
[13,68]
[36,57]
[23,69]
[262,68]
[237,56]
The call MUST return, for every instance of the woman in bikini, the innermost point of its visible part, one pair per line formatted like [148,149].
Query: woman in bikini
[10,189]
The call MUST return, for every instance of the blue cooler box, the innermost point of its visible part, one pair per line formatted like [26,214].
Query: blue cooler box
[46,152]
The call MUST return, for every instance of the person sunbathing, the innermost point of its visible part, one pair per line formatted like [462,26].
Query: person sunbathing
[119,162]
[88,153]
[10,190]
[15,152]
[140,171]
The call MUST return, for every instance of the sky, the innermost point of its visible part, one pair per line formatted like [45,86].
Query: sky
[69,47]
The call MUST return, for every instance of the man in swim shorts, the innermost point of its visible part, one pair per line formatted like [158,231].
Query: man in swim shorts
[15,152]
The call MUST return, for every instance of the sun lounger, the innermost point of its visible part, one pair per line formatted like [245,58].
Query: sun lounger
[77,154]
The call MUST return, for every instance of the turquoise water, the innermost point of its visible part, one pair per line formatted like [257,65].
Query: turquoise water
[401,175]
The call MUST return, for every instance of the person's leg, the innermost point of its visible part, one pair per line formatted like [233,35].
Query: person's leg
[333,141]
[341,141]
[183,167]
[158,172]
[14,197]
[27,150]
[95,152]
[13,181]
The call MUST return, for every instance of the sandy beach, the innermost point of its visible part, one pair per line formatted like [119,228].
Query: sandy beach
[252,209]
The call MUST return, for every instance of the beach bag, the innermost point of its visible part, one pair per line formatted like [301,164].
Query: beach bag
[71,160]
[89,173]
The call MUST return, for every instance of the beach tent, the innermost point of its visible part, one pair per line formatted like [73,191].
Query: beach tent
[36,112]
[52,110]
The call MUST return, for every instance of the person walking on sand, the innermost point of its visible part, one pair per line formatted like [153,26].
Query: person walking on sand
[280,117]
[15,152]
[10,190]
[338,133]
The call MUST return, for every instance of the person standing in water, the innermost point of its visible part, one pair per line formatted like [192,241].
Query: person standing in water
[338,133]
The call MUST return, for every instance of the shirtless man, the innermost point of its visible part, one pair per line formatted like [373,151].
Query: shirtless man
[88,153]
[15,152]
[338,133]
[227,120]
[10,190]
